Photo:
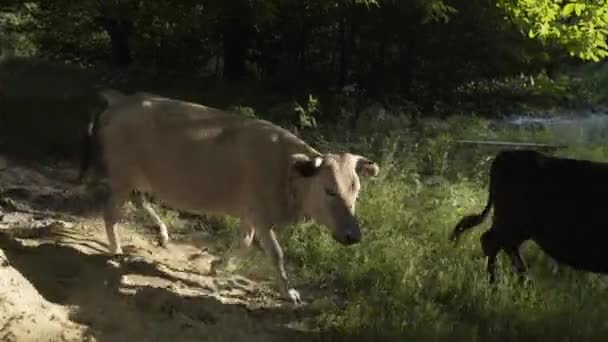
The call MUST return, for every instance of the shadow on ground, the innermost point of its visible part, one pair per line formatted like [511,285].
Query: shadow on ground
[98,288]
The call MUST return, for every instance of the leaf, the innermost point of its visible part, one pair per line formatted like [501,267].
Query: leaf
[568,9]
[544,30]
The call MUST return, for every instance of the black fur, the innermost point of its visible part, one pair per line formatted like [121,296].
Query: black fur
[559,203]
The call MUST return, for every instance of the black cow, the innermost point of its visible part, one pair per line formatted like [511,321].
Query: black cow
[559,203]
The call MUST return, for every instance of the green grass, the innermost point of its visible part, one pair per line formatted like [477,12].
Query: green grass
[404,280]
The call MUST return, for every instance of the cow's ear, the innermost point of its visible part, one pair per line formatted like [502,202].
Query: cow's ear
[366,167]
[306,166]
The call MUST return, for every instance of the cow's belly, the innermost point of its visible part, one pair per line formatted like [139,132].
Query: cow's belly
[585,250]
[202,185]
[197,199]
[203,193]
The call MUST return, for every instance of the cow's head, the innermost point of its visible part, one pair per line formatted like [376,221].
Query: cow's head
[328,187]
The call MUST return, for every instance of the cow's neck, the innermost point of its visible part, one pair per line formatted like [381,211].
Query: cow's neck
[294,204]
[297,186]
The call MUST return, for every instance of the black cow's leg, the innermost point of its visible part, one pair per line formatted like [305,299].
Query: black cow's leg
[491,267]
[518,263]
[490,248]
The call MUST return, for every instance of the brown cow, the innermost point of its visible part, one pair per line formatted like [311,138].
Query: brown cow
[203,160]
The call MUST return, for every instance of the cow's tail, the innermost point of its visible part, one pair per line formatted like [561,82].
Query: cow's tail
[111,96]
[471,221]
[87,145]
[91,135]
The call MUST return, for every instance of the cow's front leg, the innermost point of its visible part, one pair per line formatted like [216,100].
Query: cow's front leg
[247,234]
[271,245]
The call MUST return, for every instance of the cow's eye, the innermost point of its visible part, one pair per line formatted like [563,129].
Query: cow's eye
[331,193]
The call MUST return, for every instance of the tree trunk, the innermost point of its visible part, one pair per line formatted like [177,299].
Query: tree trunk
[349,33]
[237,30]
[119,32]
[343,66]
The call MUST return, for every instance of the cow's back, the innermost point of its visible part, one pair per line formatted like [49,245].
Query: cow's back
[557,202]
[200,158]
[512,174]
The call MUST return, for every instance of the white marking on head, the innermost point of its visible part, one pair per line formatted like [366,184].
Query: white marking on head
[318,161]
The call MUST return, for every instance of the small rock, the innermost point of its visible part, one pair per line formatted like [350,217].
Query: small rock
[3,163]
[124,280]
[113,263]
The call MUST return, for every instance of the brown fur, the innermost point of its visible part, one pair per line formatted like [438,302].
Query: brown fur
[204,160]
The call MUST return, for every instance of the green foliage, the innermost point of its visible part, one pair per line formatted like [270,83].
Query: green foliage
[306,116]
[436,10]
[243,110]
[13,41]
[595,79]
[533,93]
[580,26]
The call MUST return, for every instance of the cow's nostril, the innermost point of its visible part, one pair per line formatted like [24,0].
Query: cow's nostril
[352,238]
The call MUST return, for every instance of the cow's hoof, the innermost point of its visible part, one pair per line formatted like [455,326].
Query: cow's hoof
[163,238]
[294,296]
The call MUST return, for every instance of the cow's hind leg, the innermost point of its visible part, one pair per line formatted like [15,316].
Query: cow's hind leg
[111,214]
[490,247]
[519,266]
[141,202]
[247,232]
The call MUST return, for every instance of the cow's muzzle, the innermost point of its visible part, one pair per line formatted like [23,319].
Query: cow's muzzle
[348,238]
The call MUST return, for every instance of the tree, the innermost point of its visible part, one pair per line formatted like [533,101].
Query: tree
[237,34]
[579,26]
[117,19]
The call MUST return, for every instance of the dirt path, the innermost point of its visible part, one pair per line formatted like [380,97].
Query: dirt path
[57,283]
